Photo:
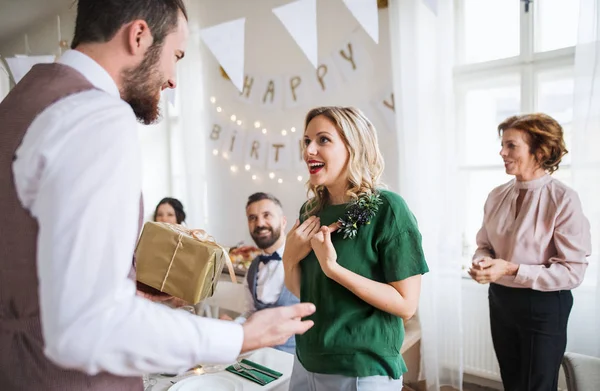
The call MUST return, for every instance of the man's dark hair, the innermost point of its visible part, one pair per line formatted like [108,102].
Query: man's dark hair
[99,20]
[262,196]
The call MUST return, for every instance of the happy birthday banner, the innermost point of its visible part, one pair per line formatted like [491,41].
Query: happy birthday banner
[299,18]
[348,62]
[255,150]
[258,147]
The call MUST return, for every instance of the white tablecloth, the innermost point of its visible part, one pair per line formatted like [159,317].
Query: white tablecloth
[271,358]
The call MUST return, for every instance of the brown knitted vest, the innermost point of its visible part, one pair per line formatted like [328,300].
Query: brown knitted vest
[23,365]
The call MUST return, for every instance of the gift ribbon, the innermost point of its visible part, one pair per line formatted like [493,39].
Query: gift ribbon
[201,236]
[179,244]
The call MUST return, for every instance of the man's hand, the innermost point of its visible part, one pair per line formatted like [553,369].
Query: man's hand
[152,294]
[159,298]
[225,317]
[274,326]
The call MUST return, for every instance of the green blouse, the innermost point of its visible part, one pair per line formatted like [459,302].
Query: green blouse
[350,337]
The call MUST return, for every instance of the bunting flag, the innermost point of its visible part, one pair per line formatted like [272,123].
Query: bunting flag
[432,5]
[226,42]
[365,12]
[20,65]
[300,20]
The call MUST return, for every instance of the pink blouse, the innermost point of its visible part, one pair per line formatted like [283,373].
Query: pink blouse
[549,239]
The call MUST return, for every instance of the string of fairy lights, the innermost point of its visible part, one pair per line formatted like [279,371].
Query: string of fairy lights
[247,167]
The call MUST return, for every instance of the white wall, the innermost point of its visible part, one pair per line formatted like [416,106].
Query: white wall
[42,36]
[270,50]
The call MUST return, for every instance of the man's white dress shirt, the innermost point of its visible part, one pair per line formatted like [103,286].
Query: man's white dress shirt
[78,172]
[269,284]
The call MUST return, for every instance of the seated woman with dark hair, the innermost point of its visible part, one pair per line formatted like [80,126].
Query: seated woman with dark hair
[169,210]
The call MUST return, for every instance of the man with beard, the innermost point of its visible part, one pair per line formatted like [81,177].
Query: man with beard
[71,185]
[265,277]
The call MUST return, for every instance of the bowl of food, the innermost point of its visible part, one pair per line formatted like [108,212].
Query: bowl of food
[241,257]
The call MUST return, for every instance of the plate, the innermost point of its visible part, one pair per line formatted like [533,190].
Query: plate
[212,382]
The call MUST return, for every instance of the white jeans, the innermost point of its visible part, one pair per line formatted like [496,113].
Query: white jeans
[303,380]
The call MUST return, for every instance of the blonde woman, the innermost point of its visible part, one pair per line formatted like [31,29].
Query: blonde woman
[531,249]
[356,254]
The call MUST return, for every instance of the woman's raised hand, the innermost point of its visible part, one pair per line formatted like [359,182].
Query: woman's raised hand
[323,248]
[297,244]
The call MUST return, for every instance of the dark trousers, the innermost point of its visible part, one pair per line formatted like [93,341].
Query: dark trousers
[529,331]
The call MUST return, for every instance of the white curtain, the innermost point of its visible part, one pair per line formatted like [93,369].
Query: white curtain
[189,145]
[584,323]
[422,45]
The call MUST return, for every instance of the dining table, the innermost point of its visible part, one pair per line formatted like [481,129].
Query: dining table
[216,377]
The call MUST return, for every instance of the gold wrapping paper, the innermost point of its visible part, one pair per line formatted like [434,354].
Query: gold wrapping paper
[180,262]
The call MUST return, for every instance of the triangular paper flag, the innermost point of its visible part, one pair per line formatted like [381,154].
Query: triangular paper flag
[300,20]
[20,65]
[432,5]
[226,42]
[365,11]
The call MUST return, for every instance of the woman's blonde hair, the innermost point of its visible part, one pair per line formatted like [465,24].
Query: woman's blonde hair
[365,162]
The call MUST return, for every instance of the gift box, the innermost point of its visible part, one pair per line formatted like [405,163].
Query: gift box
[180,262]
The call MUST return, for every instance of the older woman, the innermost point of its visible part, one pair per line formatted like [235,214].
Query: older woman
[532,249]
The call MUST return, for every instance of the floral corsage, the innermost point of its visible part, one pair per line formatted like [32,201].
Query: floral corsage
[359,212]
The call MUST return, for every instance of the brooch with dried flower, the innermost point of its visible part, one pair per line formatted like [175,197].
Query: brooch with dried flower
[359,212]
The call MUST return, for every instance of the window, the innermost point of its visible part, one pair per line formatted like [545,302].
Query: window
[509,61]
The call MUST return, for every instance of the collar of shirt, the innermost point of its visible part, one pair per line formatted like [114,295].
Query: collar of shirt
[534,183]
[91,70]
[278,251]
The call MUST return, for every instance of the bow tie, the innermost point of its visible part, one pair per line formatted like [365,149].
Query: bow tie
[266,258]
